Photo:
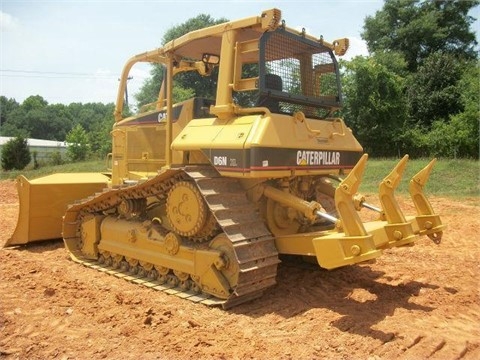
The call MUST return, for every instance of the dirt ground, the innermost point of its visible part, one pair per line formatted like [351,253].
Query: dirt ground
[414,303]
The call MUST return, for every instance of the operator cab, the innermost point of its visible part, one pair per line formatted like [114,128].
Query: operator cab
[281,70]
[297,74]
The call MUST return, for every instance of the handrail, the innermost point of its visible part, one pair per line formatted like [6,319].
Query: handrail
[342,125]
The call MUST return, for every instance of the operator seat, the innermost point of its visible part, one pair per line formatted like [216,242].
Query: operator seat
[272,82]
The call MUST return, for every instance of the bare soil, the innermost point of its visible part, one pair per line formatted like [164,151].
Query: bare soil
[414,303]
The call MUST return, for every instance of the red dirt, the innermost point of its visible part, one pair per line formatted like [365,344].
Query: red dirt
[413,303]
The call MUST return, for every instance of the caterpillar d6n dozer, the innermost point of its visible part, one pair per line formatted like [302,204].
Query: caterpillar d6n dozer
[205,194]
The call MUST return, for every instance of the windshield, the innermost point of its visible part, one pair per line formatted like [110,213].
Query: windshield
[299,74]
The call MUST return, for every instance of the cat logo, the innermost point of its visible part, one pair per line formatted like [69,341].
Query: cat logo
[306,157]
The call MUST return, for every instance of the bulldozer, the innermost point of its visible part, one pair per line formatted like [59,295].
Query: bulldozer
[204,196]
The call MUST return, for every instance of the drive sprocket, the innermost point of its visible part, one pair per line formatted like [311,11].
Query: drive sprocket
[187,212]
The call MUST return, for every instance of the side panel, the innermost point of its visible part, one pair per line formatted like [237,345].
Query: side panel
[272,145]
[267,159]
[139,142]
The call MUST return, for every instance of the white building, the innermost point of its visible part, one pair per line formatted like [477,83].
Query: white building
[44,148]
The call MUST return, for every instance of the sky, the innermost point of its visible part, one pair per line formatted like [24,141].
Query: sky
[74,51]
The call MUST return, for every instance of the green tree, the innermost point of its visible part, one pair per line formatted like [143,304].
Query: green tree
[55,158]
[375,106]
[77,144]
[35,118]
[59,122]
[185,85]
[148,93]
[89,115]
[468,120]
[437,43]
[99,135]
[416,28]
[23,120]
[6,107]
[15,154]
[433,92]
[34,102]
[15,124]
[457,135]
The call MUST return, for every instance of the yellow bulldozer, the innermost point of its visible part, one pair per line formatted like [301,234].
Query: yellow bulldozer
[204,195]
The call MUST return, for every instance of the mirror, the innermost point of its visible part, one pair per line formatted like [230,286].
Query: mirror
[210,59]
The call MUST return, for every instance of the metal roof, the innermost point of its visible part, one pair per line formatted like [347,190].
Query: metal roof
[36,142]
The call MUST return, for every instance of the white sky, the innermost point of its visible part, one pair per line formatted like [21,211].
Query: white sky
[73,51]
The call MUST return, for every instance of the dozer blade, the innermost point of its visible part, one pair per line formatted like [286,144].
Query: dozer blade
[43,203]
[426,222]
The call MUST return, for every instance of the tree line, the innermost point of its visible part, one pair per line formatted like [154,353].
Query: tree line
[86,125]
[418,91]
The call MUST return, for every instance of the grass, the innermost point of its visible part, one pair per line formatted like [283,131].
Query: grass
[30,173]
[456,178]
[452,178]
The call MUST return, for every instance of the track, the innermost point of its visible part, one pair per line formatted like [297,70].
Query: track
[252,243]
